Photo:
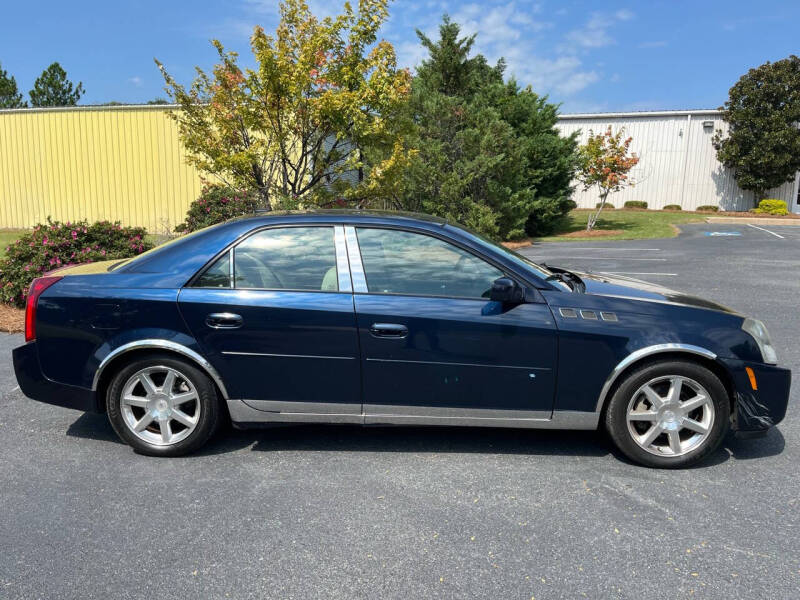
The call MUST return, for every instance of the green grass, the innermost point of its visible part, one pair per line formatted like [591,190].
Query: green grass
[8,236]
[629,224]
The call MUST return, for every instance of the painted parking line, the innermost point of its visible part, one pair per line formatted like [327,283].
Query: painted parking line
[777,235]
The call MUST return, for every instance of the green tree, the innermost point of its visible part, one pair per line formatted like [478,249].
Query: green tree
[9,95]
[489,155]
[323,95]
[52,88]
[762,145]
[605,162]
[158,101]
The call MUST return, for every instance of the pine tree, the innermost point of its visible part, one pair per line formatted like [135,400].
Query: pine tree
[52,88]
[488,154]
[9,95]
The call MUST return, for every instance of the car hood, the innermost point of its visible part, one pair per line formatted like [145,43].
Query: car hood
[635,289]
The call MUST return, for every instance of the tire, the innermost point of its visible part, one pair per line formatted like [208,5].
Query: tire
[160,422]
[652,427]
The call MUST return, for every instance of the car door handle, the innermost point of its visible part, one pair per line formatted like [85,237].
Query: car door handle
[224,321]
[388,330]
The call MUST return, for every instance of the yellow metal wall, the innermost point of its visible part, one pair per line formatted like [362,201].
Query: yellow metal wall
[115,163]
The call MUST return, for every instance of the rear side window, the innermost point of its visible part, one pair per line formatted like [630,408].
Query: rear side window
[287,258]
[402,262]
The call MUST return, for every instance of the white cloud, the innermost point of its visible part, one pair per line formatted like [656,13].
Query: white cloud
[136,81]
[595,33]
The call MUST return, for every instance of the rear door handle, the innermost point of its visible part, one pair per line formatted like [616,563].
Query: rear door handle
[224,321]
[388,330]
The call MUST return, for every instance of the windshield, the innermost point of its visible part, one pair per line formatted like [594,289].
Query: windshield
[517,258]
[155,249]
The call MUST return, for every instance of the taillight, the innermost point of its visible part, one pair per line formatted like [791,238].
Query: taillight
[37,287]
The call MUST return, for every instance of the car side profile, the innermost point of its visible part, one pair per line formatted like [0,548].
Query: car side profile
[389,318]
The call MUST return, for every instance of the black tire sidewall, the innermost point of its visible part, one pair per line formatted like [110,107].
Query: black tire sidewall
[209,406]
[616,413]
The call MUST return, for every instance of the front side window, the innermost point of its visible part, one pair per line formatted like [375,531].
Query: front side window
[402,262]
[287,258]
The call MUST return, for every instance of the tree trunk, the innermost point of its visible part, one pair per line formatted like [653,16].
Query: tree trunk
[593,217]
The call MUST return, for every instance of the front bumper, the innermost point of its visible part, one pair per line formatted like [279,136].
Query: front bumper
[758,410]
[36,386]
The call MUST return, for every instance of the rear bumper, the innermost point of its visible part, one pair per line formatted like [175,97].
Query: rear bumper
[36,386]
[758,410]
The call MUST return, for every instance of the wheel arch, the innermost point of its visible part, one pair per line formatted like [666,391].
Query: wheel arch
[658,353]
[127,352]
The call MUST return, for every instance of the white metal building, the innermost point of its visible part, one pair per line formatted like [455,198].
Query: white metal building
[678,164]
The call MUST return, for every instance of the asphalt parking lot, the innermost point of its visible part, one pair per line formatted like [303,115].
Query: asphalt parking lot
[344,512]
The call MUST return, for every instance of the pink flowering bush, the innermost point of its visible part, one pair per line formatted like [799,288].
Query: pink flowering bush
[53,245]
[216,204]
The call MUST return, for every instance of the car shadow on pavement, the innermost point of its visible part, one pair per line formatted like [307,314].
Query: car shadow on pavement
[353,438]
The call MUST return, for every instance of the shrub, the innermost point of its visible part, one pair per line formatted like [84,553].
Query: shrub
[53,244]
[608,206]
[635,204]
[672,207]
[546,214]
[771,206]
[217,203]
[708,208]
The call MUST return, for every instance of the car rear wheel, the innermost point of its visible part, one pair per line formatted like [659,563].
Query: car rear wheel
[163,406]
[668,414]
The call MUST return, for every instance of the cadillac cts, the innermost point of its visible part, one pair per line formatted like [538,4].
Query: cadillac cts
[371,318]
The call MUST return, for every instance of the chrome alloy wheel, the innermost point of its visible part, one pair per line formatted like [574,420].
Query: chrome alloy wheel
[670,415]
[160,405]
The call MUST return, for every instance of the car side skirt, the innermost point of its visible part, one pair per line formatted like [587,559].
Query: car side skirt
[244,415]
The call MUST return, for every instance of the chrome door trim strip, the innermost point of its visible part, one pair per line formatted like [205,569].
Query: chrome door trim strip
[320,408]
[244,414]
[643,353]
[157,344]
[235,353]
[342,266]
[354,253]
[388,410]
[455,364]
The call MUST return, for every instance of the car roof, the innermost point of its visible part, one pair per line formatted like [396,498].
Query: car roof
[338,215]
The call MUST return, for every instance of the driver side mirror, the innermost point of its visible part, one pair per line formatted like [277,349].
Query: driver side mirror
[507,291]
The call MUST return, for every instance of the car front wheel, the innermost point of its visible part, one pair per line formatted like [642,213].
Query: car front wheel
[162,406]
[669,414]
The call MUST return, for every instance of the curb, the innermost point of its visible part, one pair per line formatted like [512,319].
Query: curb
[754,220]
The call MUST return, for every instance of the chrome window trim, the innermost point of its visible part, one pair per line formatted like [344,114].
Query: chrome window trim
[161,345]
[356,267]
[342,264]
[643,353]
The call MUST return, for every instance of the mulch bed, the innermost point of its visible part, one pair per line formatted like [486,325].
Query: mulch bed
[594,233]
[12,319]
[744,214]
[517,244]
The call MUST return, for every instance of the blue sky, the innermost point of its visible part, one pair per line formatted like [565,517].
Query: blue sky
[590,56]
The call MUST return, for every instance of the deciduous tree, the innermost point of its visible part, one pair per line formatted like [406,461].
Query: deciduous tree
[762,145]
[323,94]
[605,162]
[52,88]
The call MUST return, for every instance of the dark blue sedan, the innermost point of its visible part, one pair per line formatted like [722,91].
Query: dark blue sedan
[374,318]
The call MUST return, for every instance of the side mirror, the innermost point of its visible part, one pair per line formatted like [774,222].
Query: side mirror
[507,291]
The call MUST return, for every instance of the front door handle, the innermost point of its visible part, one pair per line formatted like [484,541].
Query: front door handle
[224,321]
[388,330]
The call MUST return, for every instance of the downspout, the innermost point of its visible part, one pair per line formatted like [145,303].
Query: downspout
[686,157]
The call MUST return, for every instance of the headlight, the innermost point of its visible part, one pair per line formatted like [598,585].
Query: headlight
[760,334]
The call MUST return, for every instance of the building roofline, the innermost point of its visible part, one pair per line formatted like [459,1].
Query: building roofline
[89,107]
[644,113]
